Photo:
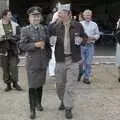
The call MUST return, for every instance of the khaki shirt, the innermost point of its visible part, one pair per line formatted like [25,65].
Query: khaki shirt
[67,48]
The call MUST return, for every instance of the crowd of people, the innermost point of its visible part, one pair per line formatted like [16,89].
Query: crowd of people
[66,48]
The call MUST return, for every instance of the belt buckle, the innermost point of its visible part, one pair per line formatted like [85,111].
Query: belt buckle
[67,55]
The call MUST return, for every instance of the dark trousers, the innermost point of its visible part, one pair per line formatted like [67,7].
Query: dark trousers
[35,97]
[10,70]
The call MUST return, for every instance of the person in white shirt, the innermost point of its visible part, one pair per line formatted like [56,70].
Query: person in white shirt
[52,62]
[87,48]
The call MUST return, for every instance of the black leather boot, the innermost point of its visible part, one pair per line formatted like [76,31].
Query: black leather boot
[8,88]
[39,92]
[32,113]
[17,86]
[32,101]
[61,107]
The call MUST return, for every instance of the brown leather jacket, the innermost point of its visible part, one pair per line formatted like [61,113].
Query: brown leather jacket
[59,31]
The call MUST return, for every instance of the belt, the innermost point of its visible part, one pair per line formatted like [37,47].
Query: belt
[67,55]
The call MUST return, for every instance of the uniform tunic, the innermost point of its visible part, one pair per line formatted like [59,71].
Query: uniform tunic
[37,59]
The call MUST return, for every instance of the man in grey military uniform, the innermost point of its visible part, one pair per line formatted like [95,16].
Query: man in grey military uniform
[36,45]
[69,34]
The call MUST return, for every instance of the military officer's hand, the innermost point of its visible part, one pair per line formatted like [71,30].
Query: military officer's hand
[40,44]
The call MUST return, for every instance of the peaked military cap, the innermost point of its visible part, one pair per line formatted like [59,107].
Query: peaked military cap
[34,10]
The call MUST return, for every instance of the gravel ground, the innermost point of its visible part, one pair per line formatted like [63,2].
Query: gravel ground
[98,101]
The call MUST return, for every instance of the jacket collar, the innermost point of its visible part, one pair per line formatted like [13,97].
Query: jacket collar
[72,24]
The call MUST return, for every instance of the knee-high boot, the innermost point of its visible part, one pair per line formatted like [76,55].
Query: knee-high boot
[32,101]
[39,92]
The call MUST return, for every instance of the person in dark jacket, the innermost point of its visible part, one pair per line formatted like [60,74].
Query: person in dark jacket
[9,37]
[35,43]
[70,35]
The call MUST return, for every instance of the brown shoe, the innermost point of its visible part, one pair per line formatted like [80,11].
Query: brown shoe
[86,81]
[68,113]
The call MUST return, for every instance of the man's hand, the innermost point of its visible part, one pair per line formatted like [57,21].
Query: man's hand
[78,40]
[40,44]
[91,40]
[53,40]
